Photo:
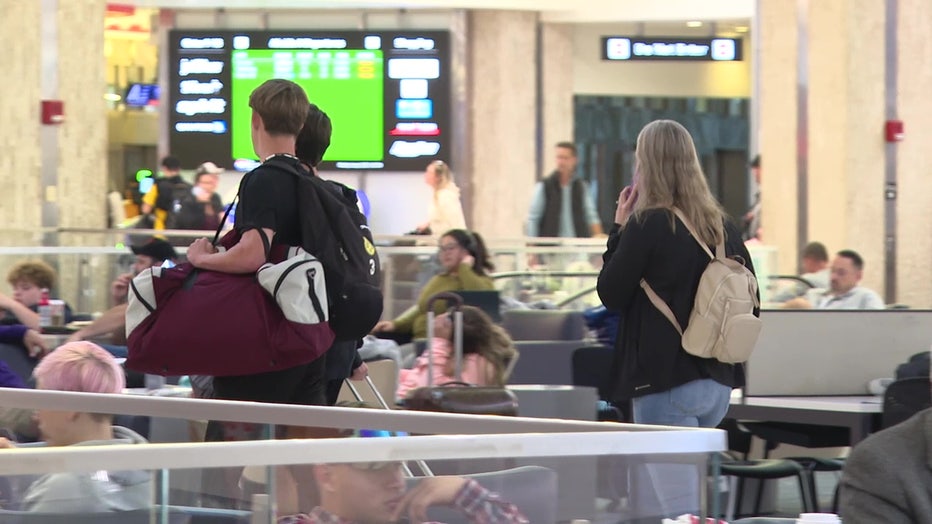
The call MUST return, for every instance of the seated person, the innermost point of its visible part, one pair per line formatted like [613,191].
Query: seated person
[844,291]
[151,254]
[487,351]
[816,271]
[30,339]
[15,368]
[84,367]
[464,262]
[374,492]
[888,477]
[28,279]
[32,345]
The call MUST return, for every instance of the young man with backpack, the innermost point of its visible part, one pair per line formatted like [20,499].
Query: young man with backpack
[268,221]
[343,359]
[165,197]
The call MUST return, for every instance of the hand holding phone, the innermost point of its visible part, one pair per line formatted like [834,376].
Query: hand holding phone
[626,200]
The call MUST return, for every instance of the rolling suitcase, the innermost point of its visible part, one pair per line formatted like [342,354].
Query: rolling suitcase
[458,396]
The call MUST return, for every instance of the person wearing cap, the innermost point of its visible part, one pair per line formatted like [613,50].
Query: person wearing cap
[153,253]
[203,208]
[752,217]
[168,189]
[384,497]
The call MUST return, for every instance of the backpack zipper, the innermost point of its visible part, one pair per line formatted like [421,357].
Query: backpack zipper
[311,273]
[285,273]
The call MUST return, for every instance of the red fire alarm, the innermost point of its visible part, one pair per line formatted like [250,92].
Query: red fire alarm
[53,112]
[894,131]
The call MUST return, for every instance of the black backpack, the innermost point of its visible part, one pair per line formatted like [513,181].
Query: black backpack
[335,231]
[173,192]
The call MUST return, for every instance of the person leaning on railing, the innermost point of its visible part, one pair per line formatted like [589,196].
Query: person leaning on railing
[466,266]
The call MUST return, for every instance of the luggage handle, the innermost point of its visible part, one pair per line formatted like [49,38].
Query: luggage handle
[425,469]
[457,314]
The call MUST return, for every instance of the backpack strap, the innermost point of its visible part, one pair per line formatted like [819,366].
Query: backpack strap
[652,295]
[661,305]
[719,250]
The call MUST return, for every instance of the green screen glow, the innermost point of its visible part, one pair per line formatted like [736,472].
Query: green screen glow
[346,84]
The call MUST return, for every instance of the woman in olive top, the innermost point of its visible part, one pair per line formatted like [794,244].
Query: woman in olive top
[464,260]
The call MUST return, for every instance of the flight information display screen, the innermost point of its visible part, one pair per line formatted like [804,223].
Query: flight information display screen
[386,92]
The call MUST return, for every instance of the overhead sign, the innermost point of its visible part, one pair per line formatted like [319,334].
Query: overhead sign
[628,48]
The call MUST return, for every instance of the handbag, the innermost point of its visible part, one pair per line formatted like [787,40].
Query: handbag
[457,396]
[463,398]
[183,320]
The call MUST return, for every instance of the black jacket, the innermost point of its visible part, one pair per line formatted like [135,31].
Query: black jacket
[549,225]
[649,357]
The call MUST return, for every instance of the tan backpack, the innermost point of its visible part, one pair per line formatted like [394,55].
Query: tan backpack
[722,324]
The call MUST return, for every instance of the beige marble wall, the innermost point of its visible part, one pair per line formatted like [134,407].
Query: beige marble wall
[77,148]
[557,73]
[502,109]
[19,130]
[914,156]
[846,114]
[778,107]
[82,173]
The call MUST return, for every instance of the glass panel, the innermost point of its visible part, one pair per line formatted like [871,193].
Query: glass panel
[364,465]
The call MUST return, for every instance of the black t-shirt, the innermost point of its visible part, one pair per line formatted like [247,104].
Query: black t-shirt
[268,199]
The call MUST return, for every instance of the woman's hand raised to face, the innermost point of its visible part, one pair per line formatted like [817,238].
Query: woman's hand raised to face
[626,200]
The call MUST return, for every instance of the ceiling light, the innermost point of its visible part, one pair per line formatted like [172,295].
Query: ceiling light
[741,29]
[112,97]
[694,23]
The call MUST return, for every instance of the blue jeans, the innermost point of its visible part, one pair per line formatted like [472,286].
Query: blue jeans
[698,404]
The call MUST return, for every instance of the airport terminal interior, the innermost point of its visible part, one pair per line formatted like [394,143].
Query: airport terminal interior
[490,312]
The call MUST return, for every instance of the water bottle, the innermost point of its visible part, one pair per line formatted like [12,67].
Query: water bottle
[45,311]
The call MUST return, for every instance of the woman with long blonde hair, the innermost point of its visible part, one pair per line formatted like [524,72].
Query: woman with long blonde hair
[649,242]
[445,211]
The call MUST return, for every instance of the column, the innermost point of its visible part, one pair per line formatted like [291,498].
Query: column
[914,162]
[846,115]
[20,207]
[502,119]
[778,128]
[82,142]
[556,89]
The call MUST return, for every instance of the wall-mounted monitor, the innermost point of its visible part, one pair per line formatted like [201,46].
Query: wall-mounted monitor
[631,48]
[387,93]
[141,95]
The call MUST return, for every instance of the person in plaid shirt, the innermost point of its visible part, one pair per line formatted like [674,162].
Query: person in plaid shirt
[374,492]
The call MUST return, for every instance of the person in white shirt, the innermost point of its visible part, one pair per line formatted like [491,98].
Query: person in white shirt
[847,270]
[814,261]
[445,211]
[816,270]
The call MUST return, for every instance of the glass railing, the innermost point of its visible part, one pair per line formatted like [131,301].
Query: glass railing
[535,272]
[524,271]
[461,468]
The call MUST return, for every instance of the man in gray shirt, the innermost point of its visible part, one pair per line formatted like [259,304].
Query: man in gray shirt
[847,270]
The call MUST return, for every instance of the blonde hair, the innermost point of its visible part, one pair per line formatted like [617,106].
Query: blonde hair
[670,176]
[443,174]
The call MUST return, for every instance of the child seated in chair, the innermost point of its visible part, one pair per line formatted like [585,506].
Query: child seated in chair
[488,354]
